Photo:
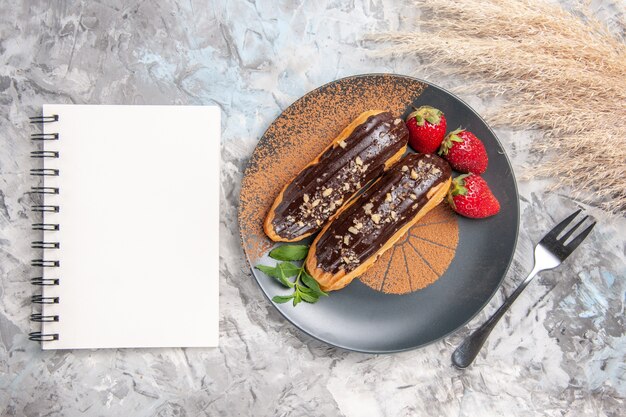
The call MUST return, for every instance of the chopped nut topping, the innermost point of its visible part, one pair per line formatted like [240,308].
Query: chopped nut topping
[393,215]
[319,223]
[388,197]
[397,122]
[346,240]
[305,198]
[301,224]
[346,260]
[339,202]
[358,184]
[368,208]
[342,143]
[358,225]
[315,203]
[376,218]
[358,160]
[405,168]
[413,174]
[413,196]
[327,192]
[353,230]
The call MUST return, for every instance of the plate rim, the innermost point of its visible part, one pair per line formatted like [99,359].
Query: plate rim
[509,262]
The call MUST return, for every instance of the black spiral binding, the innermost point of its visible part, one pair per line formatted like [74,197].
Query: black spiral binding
[44,208]
[44,136]
[45,226]
[44,154]
[40,318]
[42,172]
[44,190]
[41,337]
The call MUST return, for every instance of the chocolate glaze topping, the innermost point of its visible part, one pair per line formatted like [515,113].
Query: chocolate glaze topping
[321,189]
[388,205]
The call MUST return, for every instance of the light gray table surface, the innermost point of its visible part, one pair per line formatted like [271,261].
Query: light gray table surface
[560,351]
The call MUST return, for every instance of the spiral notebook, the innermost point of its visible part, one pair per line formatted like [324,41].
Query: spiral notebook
[127,204]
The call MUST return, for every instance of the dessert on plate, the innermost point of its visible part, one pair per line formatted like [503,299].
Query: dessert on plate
[364,228]
[368,146]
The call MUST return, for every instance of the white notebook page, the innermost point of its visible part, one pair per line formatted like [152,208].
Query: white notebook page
[139,221]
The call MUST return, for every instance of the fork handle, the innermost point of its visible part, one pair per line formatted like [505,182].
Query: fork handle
[467,351]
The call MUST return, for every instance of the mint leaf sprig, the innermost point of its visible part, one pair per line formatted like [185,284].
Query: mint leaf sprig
[305,287]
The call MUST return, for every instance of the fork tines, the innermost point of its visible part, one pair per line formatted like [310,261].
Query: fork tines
[559,228]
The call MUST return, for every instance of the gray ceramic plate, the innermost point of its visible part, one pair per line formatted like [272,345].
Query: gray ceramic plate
[358,317]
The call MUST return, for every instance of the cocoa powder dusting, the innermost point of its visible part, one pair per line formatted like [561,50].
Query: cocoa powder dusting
[420,257]
[299,134]
[396,282]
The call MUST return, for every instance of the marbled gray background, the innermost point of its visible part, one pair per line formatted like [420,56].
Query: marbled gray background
[560,351]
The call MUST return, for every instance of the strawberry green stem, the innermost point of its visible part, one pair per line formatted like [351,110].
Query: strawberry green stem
[449,140]
[426,114]
[458,185]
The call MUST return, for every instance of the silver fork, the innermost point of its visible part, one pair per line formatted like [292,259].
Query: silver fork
[550,252]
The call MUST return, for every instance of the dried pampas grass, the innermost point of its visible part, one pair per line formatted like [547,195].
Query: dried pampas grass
[559,71]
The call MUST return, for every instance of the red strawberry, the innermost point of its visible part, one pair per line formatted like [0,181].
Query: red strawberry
[427,127]
[470,196]
[464,151]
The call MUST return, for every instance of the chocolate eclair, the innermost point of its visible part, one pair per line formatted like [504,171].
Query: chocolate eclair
[369,145]
[366,227]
